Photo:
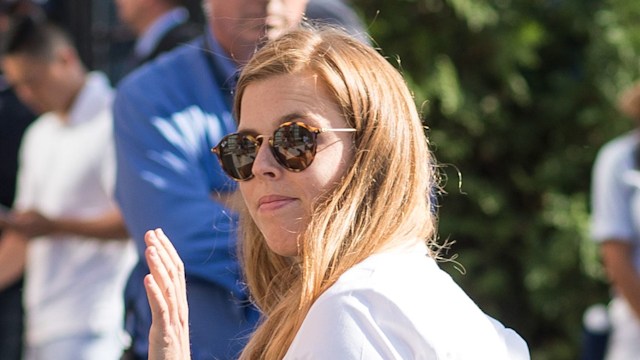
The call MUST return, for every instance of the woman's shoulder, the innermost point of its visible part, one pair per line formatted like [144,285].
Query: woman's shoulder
[398,283]
[392,275]
[401,305]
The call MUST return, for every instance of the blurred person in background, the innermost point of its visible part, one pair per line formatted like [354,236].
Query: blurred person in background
[616,227]
[65,233]
[159,26]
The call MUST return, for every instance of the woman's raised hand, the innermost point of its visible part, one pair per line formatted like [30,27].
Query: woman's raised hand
[166,290]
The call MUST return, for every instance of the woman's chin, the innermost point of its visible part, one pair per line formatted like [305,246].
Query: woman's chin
[283,245]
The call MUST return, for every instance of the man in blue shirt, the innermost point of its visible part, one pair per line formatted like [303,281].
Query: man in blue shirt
[168,114]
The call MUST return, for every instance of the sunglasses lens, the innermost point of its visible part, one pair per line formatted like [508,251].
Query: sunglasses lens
[237,153]
[294,146]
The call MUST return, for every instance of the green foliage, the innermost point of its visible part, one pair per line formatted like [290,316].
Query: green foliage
[518,96]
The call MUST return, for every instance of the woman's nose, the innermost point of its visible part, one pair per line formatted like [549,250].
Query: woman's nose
[265,164]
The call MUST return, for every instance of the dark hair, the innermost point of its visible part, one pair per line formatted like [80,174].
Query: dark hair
[33,36]
[176,2]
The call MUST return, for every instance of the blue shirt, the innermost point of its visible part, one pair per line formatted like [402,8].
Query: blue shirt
[168,115]
[147,41]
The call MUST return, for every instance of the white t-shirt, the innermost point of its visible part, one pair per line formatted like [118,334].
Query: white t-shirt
[73,285]
[400,305]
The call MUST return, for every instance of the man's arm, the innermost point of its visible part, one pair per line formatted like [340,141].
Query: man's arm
[107,226]
[617,256]
[13,251]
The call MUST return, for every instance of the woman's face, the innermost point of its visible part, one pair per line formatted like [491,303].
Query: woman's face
[280,201]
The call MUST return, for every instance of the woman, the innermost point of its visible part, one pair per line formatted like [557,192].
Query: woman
[338,240]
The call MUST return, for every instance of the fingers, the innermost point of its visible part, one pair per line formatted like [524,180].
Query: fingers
[167,340]
[166,291]
[156,301]
[31,223]
[167,270]
[167,252]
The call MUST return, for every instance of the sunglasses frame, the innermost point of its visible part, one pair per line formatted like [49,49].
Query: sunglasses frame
[259,140]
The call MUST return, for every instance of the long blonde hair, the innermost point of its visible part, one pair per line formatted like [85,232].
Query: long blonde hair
[383,199]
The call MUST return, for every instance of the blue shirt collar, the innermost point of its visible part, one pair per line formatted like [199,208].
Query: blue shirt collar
[150,38]
[227,66]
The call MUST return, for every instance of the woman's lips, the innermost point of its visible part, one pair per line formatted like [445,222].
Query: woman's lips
[274,202]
